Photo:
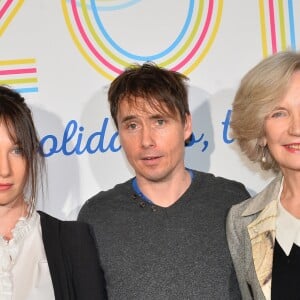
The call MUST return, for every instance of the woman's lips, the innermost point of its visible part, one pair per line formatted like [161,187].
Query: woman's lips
[5,186]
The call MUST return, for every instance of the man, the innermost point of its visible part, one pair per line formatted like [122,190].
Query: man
[161,234]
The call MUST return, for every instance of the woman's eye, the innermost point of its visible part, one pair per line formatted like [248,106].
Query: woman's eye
[17,151]
[278,114]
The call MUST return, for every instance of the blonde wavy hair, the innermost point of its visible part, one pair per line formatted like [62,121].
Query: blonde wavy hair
[259,92]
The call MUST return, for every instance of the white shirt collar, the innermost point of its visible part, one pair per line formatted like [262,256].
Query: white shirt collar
[287,227]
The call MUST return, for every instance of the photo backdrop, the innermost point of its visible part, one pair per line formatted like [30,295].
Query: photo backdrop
[63,54]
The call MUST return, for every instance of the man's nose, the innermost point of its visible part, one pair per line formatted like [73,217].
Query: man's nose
[147,137]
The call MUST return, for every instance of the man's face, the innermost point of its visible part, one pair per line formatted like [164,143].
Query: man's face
[153,141]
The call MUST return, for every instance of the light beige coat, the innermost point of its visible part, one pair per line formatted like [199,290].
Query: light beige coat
[251,237]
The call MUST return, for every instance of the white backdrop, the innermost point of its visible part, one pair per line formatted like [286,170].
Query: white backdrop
[62,55]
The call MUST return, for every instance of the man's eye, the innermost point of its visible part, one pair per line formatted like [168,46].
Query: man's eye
[160,122]
[132,126]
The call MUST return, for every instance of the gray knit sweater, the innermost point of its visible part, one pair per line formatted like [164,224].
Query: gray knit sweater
[179,252]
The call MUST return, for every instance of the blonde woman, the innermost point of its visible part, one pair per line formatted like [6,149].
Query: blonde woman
[264,231]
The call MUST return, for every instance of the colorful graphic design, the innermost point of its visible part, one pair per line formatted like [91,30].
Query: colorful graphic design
[91,34]
[19,74]
[277,26]
[8,9]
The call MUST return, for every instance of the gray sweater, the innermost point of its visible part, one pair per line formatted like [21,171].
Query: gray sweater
[179,252]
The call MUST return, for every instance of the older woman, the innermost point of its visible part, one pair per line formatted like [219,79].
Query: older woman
[40,256]
[264,231]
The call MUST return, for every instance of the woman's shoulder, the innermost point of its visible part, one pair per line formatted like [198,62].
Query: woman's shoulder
[238,209]
[241,214]
[258,202]
[68,228]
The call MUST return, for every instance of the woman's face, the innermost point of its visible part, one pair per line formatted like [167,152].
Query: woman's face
[12,170]
[282,128]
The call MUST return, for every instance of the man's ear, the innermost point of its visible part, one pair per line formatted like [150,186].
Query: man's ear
[188,130]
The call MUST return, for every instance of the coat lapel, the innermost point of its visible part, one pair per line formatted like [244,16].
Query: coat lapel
[263,209]
[52,244]
[262,237]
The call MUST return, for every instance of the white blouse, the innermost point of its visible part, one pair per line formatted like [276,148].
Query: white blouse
[24,271]
[287,226]
[287,229]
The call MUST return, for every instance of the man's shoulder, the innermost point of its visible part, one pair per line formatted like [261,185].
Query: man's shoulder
[218,190]
[220,183]
[108,198]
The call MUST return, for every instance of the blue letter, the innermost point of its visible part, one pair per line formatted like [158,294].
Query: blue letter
[52,149]
[226,124]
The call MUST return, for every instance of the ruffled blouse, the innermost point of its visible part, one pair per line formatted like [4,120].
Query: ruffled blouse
[24,271]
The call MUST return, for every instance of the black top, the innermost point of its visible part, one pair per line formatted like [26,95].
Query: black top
[73,259]
[286,274]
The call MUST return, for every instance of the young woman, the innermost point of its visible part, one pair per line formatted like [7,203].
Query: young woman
[264,231]
[40,257]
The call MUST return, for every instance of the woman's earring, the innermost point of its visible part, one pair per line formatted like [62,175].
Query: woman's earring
[263,158]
